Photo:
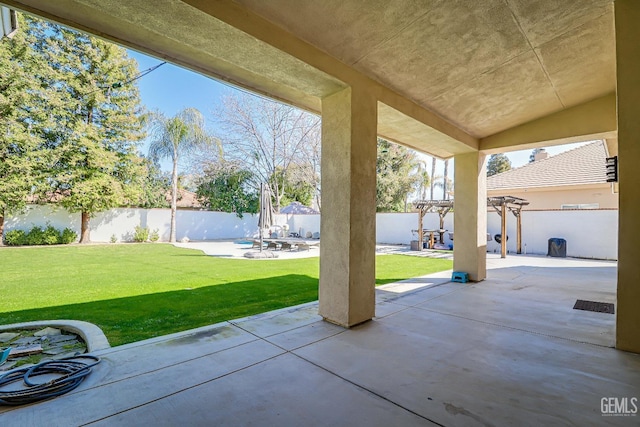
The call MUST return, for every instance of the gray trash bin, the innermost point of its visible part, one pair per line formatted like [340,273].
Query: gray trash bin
[557,247]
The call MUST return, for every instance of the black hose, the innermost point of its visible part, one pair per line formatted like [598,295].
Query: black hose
[72,373]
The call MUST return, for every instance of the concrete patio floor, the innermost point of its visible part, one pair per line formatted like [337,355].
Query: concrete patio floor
[507,351]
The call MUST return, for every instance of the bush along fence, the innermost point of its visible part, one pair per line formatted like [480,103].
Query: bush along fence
[40,236]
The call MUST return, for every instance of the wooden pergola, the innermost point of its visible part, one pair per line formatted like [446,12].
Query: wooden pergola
[441,206]
[501,204]
[514,205]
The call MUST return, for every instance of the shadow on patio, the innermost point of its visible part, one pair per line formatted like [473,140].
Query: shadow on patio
[507,351]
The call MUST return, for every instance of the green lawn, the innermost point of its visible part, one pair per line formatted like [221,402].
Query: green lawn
[139,291]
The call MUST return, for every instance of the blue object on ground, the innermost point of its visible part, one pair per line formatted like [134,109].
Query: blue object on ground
[4,355]
[459,276]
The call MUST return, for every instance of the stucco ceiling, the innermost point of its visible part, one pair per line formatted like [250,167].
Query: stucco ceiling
[462,69]
[484,65]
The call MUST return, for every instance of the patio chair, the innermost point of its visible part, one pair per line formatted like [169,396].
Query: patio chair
[285,245]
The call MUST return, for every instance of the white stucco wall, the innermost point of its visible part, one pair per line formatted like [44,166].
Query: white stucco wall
[206,225]
[196,225]
[589,233]
[42,215]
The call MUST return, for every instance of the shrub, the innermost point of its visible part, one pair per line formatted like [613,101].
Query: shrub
[68,236]
[39,236]
[154,236]
[50,236]
[140,234]
[35,236]
[113,238]
[15,238]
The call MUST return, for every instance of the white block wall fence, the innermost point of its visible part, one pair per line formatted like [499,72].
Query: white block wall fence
[589,233]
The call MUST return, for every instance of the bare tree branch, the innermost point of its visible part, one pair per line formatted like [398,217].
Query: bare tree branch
[269,138]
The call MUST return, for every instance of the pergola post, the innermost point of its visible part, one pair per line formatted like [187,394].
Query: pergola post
[348,220]
[442,214]
[519,231]
[503,230]
[421,214]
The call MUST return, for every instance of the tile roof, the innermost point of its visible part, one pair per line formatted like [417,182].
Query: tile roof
[582,165]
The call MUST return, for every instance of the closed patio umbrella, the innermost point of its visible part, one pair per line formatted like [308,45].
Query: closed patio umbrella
[265,217]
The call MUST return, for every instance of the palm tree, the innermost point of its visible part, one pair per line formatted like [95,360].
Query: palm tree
[423,181]
[445,179]
[433,174]
[172,137]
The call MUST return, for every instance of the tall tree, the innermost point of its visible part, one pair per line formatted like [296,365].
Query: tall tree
[226,187]
[19,164]
[154,185]
[396,177]
[94,163]
[424,180]
[268,138]
[297,186]
[445,181]
[173,137]
[83,114]
[498,163]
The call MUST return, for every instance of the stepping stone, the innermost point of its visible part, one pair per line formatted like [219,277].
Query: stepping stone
[25,341]
[7,336]
[64,346]
[60,338]
[48,332]
[54,351]
[25,351]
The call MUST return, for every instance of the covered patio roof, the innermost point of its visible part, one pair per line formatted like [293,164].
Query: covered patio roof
[451,76]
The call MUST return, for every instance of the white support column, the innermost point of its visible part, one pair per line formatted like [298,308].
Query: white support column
[348,220]
[627,16]
[470,215]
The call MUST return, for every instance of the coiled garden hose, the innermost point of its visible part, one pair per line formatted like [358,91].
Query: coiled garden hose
[71,373]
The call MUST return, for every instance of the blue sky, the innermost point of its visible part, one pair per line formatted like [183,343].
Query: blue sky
[170,89]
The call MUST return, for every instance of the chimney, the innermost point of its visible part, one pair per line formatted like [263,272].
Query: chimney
[540,155]
[8,22]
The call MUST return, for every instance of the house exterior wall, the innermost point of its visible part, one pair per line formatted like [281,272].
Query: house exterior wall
[549,198]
